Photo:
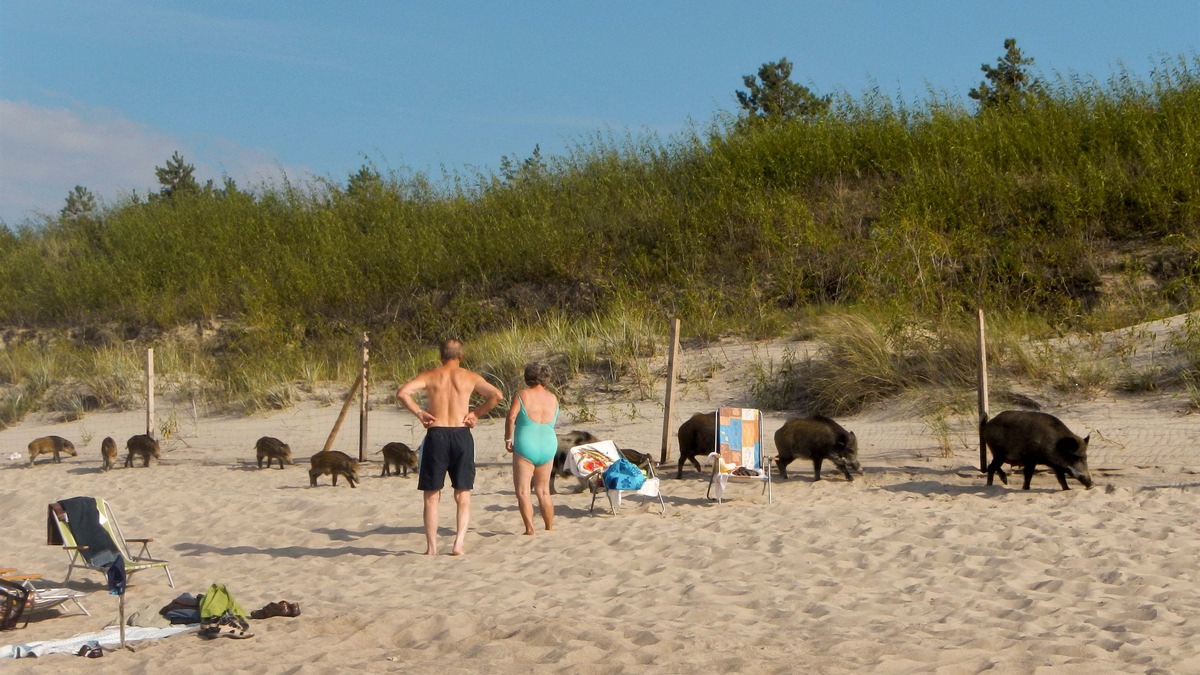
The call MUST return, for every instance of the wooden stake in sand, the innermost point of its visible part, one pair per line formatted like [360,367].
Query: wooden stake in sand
[150,392]
[983,392]
[342,415]
[362,399]
[670,395]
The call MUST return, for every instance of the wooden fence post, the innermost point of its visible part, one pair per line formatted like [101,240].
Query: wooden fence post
[342,415]
[362,401]
[150,392]
[983,391]
[670,394]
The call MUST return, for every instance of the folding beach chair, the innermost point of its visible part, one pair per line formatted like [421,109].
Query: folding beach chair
[588,462]
[21,597]
[87,529]
[738,456]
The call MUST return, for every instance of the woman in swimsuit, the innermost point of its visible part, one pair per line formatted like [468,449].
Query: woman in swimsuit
[529,435]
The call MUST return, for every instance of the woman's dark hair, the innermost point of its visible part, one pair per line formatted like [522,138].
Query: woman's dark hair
[537,373]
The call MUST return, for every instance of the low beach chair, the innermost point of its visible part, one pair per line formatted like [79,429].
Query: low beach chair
[87,529]
[588,462]
[738,456]
[22,598]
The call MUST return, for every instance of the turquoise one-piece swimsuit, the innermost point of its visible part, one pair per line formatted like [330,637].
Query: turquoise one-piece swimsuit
[534,441]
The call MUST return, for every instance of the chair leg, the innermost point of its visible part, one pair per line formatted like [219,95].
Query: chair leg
[170,581]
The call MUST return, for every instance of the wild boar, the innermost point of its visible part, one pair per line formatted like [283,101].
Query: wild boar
[697,438]
[816,438]
[566,441]
[108,452]
[335,463]
[50,445]
[142,445]
[1026,438]
[399,455]
[270,449]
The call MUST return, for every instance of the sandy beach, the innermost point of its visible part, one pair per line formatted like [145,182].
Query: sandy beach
[915,567]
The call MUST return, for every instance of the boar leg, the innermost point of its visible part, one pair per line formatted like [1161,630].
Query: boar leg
[817,461]
[781,464]
[1061,476]
[996,468]
[1030,467]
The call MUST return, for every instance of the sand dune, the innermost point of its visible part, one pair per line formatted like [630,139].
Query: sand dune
[916,567]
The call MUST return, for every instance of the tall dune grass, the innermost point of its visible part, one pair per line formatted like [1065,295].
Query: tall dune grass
[918,211]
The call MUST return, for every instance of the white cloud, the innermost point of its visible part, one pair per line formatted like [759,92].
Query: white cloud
[45,152]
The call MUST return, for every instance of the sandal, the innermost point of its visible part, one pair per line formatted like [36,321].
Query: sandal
[228,625]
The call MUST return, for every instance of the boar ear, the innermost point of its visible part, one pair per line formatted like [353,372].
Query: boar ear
[1086,439]
[1068,444]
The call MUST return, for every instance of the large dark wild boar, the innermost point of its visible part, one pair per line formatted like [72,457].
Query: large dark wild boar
[142,445]
[1026,438]
[566,441]
[270,449]
[697,438]
[817,438]
[50,445]
[335,463]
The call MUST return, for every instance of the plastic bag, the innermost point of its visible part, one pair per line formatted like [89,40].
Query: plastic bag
[623,475]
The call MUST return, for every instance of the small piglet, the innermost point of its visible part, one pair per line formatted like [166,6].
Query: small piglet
[335,463]
[270,449]
[1026,438]
[50,445]
[108,452]
[400,456]
[142,445]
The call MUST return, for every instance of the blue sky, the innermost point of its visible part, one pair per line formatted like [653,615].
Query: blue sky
[99,93]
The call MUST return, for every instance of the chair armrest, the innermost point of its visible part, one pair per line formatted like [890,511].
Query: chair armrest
[75,548]
[20,577]
[139,541]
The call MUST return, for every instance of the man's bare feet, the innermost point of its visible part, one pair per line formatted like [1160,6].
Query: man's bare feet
[530,533]
[431,551]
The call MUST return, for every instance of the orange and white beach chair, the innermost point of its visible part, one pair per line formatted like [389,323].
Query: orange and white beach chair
[738,456]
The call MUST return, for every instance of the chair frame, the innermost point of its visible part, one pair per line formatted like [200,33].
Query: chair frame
[35,599]
[595,480]
[143,560]
[716,455]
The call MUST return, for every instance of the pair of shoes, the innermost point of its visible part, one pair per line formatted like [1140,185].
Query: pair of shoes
[91,650]
[281,608]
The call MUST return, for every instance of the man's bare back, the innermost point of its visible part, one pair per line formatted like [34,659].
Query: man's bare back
[448,388]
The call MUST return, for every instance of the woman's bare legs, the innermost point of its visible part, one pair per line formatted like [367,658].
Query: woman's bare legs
[541,486]
[523,471]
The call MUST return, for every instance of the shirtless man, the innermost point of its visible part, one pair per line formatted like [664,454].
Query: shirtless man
[448,446]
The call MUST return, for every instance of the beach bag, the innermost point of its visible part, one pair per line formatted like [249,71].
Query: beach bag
[623,475]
